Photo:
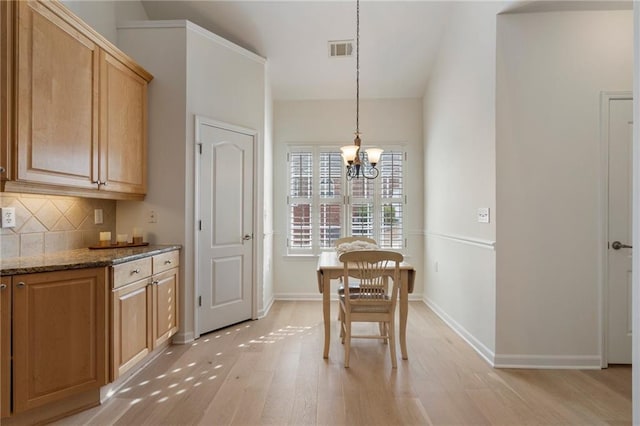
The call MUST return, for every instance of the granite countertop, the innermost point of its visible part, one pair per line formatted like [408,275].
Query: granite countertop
[80,258]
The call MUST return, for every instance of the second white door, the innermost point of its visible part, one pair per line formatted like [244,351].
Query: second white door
[620,133]
[225,236]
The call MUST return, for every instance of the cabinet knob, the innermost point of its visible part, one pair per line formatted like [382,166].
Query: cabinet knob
[21,285]
[2,170]
[3,286]
[135,271]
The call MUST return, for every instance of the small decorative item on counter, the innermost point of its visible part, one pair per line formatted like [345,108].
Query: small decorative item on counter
[137,235]
[105,238]
[122,239]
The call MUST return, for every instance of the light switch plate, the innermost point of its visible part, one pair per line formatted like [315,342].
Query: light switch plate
[98,217]
[483,215]
[8,217]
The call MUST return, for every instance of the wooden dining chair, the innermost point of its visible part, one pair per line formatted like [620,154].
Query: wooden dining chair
[351,239]
[345,241]
[373,302]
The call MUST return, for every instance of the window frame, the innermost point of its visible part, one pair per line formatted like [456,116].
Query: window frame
[345,199]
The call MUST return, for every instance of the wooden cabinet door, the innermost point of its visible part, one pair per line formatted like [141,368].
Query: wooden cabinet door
[59,335]
[131,326]
[5,346]
[56,100]
[123,127]
[7,10]
[165,305]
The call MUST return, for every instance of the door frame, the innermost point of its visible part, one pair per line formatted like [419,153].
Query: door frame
[202,120]
[603,252]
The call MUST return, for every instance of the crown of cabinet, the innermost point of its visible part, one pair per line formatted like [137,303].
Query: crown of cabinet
[73,109]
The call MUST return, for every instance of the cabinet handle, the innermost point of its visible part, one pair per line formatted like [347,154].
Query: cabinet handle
[3,286]
[156,282]
[21,285]
[135,271]
[167,262]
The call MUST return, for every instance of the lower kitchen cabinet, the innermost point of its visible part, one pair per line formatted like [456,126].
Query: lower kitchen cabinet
[131,307]
[67,335]
[59,335]
[5,346]
[165,306]
[144,309]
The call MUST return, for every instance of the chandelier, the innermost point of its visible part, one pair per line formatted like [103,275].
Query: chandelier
[351,153]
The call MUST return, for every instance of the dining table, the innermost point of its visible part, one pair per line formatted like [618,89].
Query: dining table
[331,268]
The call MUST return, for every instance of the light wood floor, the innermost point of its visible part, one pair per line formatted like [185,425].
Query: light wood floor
[271,372]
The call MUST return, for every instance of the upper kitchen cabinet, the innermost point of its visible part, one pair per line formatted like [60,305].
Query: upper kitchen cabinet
[74,107]
[123,130]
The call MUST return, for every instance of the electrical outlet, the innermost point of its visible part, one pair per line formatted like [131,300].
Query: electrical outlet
[152,217]
[483,215]
[98,217]
[8,217]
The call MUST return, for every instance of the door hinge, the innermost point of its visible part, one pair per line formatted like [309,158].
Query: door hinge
[199,225]
[199,148]
[199,300]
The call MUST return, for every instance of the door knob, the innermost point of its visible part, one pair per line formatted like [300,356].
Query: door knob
[617,245]
[247,237]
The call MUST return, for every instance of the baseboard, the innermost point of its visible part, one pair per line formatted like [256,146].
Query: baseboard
[183,338]
[413,297]
[265,311]
[482,350]
[565,362]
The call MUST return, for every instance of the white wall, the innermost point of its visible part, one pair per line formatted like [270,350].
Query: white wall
[195,73]
[459,138]
[551,70]
[391,121]
[267,287]
[103,16]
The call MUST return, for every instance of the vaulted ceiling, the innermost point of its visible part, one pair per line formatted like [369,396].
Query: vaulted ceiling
[399,39]
[398,42]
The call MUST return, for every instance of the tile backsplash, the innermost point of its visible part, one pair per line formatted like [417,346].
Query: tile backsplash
[51,223]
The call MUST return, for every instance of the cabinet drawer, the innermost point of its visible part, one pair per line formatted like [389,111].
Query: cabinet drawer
[165,261]
[129,272]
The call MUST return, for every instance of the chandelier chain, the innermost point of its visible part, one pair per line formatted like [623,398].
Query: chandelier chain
[357,67]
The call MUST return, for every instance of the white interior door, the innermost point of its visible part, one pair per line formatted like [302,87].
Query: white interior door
[619,254]
[225,236]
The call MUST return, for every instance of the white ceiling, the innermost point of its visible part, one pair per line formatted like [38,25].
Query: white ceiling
[399,39]
[398,42]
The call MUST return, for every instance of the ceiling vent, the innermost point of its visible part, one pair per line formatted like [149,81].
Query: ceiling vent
[340,48]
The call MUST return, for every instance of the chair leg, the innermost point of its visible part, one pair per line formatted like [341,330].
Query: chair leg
[383,331]
[341,318]
[347,342]
[392,342]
